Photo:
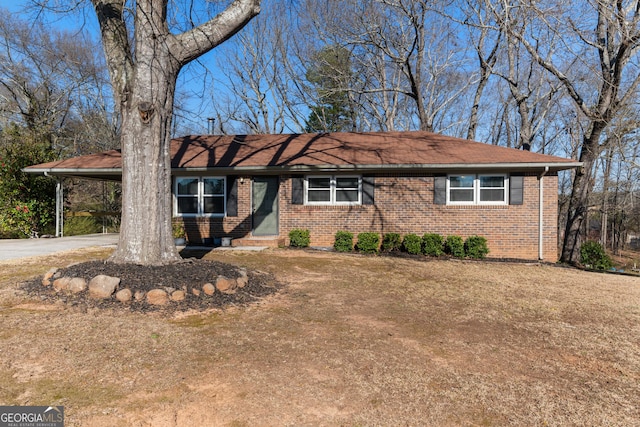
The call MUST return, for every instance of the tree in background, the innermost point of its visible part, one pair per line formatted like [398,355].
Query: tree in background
[257,69]
[51,106]
[330,75]
[591,50]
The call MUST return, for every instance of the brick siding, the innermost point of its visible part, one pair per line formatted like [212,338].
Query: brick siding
[404,204]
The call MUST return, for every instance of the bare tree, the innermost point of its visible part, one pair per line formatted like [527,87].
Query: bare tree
[260,78]
[50,80]
[573,43]
[532,93]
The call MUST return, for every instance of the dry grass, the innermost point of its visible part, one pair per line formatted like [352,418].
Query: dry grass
[351,341]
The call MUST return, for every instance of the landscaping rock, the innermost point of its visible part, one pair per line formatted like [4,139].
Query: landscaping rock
[157,297]
[77,285]
[226,285]
[243,280]
[139,295]
[101,286]
[209,289]
[124,295]
[196,292]
[61,284]
[178,295]
[46,280]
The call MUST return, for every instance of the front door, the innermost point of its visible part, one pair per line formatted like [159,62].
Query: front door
[265,205]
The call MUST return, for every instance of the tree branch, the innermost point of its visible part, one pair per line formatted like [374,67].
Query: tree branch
[198,41]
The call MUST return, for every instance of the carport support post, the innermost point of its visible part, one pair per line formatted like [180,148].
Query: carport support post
[59,208]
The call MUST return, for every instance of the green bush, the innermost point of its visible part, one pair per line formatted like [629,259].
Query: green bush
[299,238]
[368,243]
[432,244]
[412,243]
[476,247]
[343,242]
[80,225]
[593,255]
[391,242]
[454,246]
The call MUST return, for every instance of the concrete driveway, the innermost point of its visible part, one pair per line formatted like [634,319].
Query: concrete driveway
[21,248]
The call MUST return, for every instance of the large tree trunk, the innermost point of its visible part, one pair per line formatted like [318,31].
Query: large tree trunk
[147,108]
[145,233]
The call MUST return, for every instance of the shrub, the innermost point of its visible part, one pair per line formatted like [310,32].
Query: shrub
[432,244]
[476,247]
[593,255]
[368,243]
[454,246]
[343,242]
[412,243]
[178,231]
[391,242]
[299,238]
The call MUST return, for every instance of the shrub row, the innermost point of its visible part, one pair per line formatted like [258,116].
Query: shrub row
[430,244]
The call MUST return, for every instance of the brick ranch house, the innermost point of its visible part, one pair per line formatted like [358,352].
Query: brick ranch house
[257,188]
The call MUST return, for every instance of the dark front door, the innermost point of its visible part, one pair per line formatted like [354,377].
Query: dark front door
[265,205]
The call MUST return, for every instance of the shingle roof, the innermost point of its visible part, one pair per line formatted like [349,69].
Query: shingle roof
[323,152]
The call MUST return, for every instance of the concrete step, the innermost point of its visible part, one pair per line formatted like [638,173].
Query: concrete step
[268,241]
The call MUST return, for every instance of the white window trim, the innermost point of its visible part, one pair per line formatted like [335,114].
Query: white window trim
[200,197]
[476,191]
[332,188]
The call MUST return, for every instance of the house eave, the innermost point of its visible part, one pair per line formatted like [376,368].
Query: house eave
[110,174]
[434,168]
[115,174]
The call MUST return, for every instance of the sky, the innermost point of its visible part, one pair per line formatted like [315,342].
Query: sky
[63,22]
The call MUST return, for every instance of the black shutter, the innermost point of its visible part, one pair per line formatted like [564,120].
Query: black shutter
[297,190]
[440,190]
[516,190]
[232,196]
[368,190]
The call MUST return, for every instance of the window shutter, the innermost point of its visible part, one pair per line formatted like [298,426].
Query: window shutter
[516,190]
[368,190]
[232,196]
[440,190]
[297,190]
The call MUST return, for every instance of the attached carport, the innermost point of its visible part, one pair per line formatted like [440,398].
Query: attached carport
[105,166]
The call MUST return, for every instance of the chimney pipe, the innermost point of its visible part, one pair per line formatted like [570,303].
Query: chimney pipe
[211,121]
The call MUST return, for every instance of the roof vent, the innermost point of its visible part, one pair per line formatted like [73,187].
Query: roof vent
[526,147]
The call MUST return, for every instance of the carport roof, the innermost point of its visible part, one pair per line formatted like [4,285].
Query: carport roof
[327,152]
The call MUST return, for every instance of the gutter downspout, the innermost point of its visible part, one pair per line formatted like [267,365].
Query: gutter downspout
[541,215]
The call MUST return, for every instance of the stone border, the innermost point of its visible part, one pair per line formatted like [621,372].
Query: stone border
[105,287]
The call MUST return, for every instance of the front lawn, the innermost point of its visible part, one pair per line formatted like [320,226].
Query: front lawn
[349,340]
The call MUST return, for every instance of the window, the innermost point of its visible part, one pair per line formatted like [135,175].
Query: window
[199,196]
[333,190]
[477,189]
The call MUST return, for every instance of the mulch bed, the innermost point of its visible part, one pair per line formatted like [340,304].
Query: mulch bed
[187,275]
